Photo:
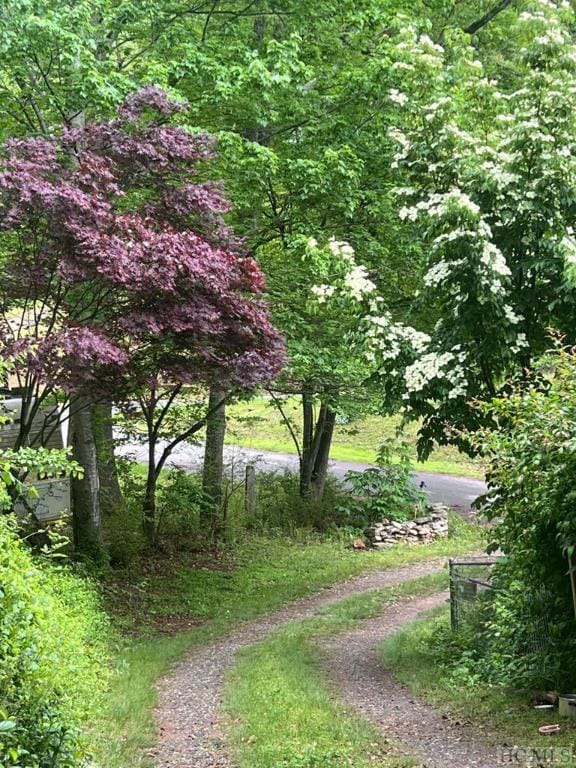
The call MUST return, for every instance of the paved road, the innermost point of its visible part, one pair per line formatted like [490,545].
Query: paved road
[447,489]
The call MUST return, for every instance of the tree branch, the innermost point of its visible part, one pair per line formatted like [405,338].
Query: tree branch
[196,427]
[487,18]
[286,421]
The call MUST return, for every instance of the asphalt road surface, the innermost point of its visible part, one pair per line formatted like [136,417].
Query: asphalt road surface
[447,489]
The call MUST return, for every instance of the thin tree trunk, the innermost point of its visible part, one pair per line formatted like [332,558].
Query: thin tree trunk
[307,458]
[149,505]
[213,471]
[111,499]
[86,512]
[86,515]
[320,471]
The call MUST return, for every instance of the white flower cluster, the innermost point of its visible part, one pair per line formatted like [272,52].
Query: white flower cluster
[499,175]
[404,146]
[398,97]
[496,268]
[541,15]
[388,339]
[342,249]
[439,204]
[492,257]
[552,37]
[459,233]
[431,110]
[439,272]
[510,315]
[358,283]
[521,342]
[425,41]
[355,281]
[323,292]
[437,366]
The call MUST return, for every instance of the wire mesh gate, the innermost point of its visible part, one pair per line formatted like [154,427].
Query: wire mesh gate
[468,580]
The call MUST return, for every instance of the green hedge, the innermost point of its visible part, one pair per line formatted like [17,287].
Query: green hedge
[54,665]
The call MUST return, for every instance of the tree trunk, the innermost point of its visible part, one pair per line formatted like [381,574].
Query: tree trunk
[86,516]
[213,471]
[320,470]
[111,499]
[306,457]
[149,506]
[316,443]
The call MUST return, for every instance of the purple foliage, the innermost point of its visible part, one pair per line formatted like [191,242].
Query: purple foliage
[122,264]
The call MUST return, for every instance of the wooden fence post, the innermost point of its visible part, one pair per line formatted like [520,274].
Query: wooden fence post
[453,602]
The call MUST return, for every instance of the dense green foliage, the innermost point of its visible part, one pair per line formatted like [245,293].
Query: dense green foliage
[485,183]
[532,463]
[406,184]
[53,658]
[523,632]
[384,491]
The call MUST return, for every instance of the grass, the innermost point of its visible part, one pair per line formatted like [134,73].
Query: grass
[258,424]
[281,710]
[503,716]
[210,599]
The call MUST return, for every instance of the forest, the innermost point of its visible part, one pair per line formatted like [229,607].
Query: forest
[287,321]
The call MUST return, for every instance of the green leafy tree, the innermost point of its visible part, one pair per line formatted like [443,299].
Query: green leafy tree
[298,97]
[318,295]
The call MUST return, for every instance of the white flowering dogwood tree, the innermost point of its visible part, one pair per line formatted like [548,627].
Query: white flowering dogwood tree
[486,182]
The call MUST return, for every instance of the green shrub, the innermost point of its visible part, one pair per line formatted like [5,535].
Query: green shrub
[384,491]
[123,530]
[281,509]
[180,501]
[124,533]
[529,634]
[53,659]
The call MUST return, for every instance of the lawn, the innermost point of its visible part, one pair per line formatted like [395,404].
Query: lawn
[503,716]
[173,602]
[258,424]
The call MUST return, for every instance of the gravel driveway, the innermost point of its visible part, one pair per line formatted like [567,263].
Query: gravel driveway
[188,713]
[189,698]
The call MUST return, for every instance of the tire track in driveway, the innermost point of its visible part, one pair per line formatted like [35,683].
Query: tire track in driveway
[370,689]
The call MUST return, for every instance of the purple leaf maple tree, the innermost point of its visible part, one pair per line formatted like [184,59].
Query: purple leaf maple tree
[120,278]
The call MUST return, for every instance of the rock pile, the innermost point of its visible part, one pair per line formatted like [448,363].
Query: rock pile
[421,530]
